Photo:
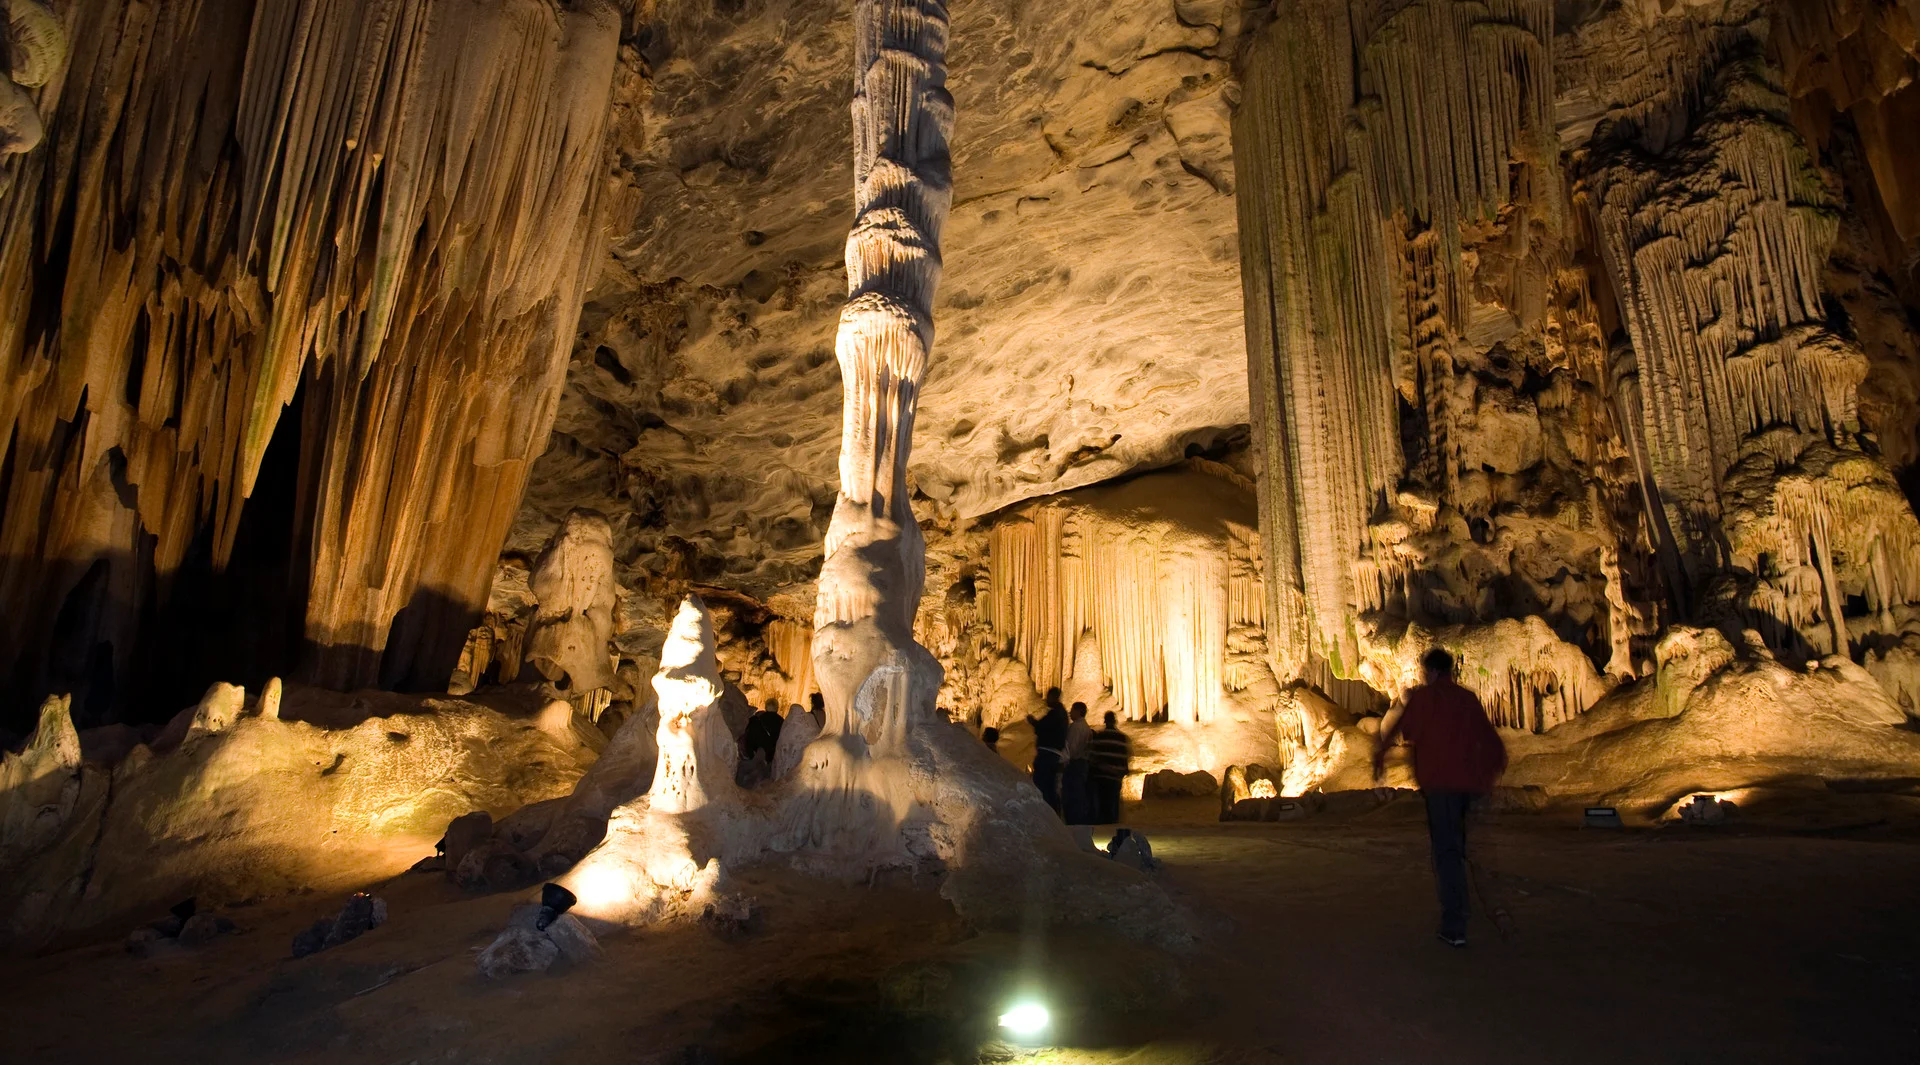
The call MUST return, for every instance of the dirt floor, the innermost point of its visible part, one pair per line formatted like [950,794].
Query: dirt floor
[1693,945]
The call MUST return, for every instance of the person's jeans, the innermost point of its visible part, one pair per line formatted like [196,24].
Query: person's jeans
[1046,777]
[1106,800]
[1076,798]
[1447,827]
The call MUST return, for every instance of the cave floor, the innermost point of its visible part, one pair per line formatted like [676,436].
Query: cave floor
[1675,945]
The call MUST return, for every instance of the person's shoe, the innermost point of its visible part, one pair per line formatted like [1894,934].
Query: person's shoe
[1452,941]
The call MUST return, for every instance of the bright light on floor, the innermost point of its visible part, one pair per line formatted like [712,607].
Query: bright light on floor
[1025,1019]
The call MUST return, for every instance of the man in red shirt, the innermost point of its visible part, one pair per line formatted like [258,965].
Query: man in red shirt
[1457,756]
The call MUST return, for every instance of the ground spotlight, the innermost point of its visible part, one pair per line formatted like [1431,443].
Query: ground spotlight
[554,901]
[1025,1020]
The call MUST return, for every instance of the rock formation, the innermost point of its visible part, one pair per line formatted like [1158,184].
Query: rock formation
[887,783]
[1534,427]
[704,397]
[233,802]
[1155,573]
[573,582]
[695,767]
[378,214]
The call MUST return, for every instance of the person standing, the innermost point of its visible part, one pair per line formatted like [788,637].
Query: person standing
[1457,755]
[1109,756]
[763,732]
[1050,743]
[1076,796]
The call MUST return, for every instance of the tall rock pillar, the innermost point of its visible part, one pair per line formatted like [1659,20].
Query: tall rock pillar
[875,559]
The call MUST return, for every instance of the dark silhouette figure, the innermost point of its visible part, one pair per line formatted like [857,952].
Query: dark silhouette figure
[1109,756]
[1076,794]
[1050,743]
[762,733]
[1457,755]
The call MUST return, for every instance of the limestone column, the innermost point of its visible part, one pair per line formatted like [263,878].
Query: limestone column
[875,559]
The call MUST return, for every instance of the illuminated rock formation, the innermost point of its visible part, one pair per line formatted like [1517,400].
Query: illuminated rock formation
[1535,430]
[573,582]
[871,581]
[791,645]
[646,869]
[1321,178]
[258,806]
[696,752]
[1719,718]
[379,214]
[1154,572]
[1431,387]
[887,783]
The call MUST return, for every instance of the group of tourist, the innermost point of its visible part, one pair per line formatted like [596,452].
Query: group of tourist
[1078,771]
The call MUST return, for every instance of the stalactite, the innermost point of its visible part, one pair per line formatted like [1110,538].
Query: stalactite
[1743,403]
[387,204]
[1525,675]
[1156,570]
[1717,248]
[1830,523]
[1353,115]
[791,644]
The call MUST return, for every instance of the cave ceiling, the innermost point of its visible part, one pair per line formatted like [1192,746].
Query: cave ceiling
[1089,315]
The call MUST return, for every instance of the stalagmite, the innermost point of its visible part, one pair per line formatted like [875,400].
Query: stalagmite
[573,581]
[380,210]
[40,785]
[663,852]
[696,759]
[217,710]
[886,783]
[875,561]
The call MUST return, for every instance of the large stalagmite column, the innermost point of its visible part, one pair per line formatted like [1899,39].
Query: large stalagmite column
[875,559]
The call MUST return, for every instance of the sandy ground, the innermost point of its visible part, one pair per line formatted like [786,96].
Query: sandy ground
[1677,945]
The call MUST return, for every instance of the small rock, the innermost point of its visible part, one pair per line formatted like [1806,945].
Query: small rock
[1171,784]
[496,866]
[518,950]
[217,711]
[465,833]
[1131,848]
[362,913]
[269,707]
[577,943]
[729,915]
[198,929]
[144,940]
[312,940]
